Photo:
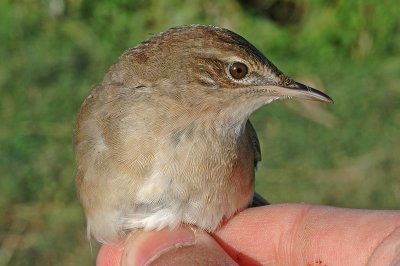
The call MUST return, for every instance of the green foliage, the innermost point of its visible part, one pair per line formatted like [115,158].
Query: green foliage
[53,51]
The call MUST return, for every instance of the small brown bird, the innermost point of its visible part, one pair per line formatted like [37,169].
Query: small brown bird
[165,138]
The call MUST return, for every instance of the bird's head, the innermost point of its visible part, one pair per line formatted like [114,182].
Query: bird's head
[211,67]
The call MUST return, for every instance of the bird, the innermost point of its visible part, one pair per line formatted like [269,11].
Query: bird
[164,140]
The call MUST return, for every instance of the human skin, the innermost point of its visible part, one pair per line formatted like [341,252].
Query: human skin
[280,234]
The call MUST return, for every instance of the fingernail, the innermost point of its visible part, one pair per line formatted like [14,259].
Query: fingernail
[144,247]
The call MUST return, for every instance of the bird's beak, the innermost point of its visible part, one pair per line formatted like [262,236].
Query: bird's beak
[301,91]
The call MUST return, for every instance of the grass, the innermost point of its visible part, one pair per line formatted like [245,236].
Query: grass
[52,52]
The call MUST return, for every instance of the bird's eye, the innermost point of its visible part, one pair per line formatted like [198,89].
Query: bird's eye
[238,70]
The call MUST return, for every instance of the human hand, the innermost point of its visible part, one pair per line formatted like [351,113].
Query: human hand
[281,234]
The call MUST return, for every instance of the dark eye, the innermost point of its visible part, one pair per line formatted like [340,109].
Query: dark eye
[238,70]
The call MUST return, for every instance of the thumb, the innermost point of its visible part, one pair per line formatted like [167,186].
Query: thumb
[184,246]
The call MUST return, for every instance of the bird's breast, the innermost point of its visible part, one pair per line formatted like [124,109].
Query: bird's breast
[202,173]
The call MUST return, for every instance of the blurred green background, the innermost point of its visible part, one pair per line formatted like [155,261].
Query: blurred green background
[53,51]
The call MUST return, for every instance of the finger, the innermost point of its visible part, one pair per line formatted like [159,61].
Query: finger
[301,234]
[110,255]
[183,246]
